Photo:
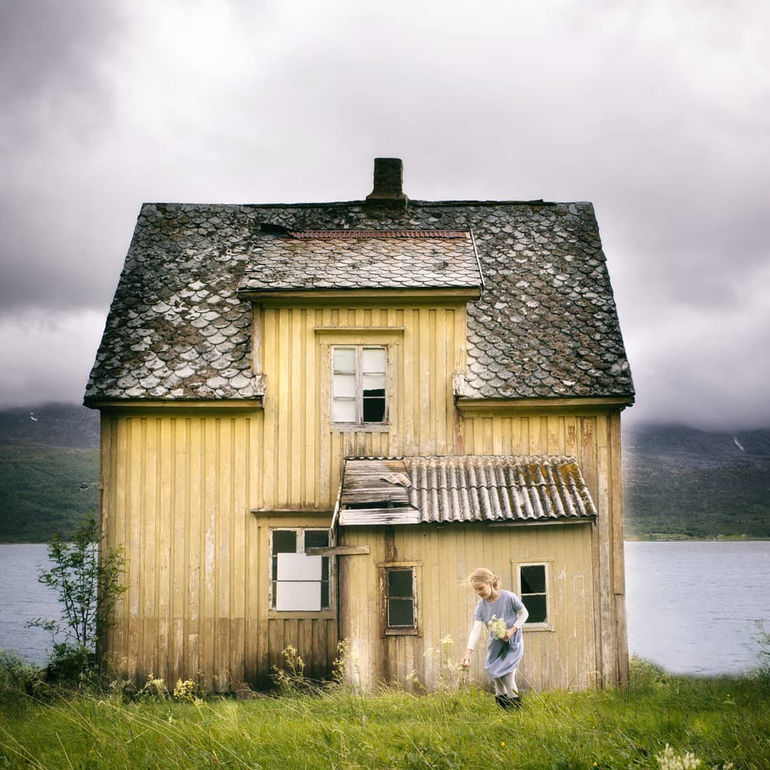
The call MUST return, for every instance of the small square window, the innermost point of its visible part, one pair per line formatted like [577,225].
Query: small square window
[399,598]
[359,384]
[533,586]
[299,581]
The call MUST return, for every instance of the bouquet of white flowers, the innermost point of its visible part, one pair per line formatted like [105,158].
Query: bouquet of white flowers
[497,629]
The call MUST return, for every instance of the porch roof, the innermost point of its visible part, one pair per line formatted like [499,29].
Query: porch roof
[463,488]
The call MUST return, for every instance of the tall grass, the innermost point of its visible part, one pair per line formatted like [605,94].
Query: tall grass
[719,720]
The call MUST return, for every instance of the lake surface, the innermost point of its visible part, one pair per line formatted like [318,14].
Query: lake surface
[693,607]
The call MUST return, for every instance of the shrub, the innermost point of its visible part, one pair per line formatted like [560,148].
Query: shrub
[17,676]
[73,665]
[86,579]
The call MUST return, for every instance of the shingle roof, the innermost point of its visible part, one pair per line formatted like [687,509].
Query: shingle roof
[433,489]
[389,259]
[544,326]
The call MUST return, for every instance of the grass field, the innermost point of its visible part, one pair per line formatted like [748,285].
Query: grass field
[721,721]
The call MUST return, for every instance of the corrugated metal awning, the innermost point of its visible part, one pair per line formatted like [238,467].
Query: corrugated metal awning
[463,488]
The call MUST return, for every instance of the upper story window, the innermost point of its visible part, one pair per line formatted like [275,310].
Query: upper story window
[359,376]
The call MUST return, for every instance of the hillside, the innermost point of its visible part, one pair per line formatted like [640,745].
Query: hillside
[684,482]
[679,481]
[49,470]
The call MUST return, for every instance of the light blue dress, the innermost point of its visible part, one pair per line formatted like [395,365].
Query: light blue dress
[505,606]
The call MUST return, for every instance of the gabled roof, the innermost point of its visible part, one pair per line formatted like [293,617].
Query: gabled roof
[544,326]
[368,259]
[463,488]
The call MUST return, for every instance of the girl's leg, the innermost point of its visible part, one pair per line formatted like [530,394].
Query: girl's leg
[506,685]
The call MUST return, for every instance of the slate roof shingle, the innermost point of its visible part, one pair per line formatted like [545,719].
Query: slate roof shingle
[389,259]
[463,488]
[545,324]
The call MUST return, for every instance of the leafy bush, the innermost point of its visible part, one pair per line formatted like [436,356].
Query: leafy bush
[17,676]
[86,580]
[72,665]
[645,675]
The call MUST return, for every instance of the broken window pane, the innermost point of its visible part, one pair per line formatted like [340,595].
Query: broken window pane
[374,409]
[359,377]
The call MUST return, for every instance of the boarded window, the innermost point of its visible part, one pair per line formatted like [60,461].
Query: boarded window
[399,600]
[358,386]
[534,591]
[299,581]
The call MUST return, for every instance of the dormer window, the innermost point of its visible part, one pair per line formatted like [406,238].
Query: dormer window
[358,392]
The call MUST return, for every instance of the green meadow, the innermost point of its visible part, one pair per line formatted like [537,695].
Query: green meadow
[707,723]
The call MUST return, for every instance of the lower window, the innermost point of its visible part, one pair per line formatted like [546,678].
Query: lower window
[533,589]
[400,599]
[299,581]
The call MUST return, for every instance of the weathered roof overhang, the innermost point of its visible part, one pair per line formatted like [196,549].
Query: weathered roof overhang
[480,407]
[450,295]
[176,406]
[463,488]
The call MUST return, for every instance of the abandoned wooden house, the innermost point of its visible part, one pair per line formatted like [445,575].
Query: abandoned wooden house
[317,419]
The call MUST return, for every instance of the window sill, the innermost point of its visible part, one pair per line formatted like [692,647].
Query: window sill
[401,632]
[537,627]
[301,614]
[362,427]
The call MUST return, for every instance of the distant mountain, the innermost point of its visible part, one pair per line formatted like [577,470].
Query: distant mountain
[683,482]
[49,470]
[62,425]
[679,481]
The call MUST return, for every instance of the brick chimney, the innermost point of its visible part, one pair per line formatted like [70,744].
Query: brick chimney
[388,183]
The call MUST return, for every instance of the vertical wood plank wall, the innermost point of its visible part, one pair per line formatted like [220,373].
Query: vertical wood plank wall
[179,487]
[562,656]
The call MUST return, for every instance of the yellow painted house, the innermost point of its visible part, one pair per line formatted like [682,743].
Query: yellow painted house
[317,419]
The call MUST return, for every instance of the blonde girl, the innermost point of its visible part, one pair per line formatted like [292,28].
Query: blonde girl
[504,614]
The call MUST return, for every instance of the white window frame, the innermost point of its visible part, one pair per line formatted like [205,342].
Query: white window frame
[546,624]
[359,388]
[300,540]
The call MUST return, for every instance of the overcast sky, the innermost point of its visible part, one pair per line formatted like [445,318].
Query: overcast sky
[658,112]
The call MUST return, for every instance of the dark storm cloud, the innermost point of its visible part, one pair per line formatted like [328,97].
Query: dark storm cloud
[50,56]
[656,112]
[56,104]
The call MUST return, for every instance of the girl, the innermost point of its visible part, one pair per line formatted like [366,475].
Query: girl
[504,615]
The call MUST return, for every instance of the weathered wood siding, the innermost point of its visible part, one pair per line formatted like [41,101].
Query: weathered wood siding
[562,656]
[197,563]
[180,485]
[594,438]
